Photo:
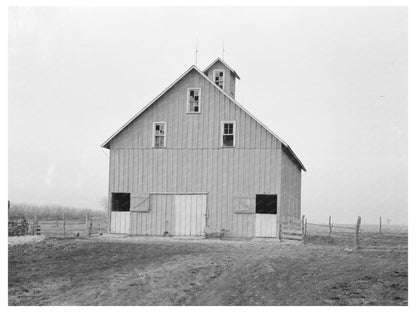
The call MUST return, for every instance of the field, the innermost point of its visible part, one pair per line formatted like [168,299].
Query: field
[115,270]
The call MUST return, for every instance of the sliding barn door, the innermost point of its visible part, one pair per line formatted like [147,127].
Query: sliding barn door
[190,214]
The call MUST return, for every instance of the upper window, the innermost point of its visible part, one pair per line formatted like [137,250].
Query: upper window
[219,76]
[194,100]
[159,134]
[228,133]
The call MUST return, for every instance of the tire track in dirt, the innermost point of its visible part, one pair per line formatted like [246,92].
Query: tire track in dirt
[173,272]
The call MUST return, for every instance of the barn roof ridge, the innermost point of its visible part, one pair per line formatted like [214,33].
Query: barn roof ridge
[105,144]
[218,59]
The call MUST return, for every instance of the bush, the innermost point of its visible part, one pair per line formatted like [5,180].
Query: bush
[18,227]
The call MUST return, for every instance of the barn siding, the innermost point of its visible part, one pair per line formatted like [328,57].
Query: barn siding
[291,189]
[193,160]
[224,182]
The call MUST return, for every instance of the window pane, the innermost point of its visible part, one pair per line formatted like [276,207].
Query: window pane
[193,100]
[159,141]
[228,140]
[159,129]
[219,79]
[230,128]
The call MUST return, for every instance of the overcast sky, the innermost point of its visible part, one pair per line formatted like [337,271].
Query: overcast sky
[332,82]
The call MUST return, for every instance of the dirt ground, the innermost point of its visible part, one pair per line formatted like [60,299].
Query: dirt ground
[111,270]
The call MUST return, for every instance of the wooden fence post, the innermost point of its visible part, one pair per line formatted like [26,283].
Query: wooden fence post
[379,230]
[330,226]
[302,224]
[88,224]
[305,225]
[357,231]
[63,222]
[35,225]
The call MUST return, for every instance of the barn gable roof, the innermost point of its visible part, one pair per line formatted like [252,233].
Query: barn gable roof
[106,144]
[218,59]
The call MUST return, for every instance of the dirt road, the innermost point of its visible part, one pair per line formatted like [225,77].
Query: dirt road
[147,271]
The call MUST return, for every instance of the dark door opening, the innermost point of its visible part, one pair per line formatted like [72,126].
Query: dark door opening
[266,204]
[120,201]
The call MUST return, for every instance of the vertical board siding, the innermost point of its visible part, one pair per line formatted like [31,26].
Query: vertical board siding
[193,160]
[228,172]
[290,190]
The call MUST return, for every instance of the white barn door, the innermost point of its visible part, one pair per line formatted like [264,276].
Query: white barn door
[120,222]
[266,215]
[190,214]
[266,225]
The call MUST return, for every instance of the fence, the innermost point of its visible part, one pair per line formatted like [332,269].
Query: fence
[293,230]
[358,236]
[62,227]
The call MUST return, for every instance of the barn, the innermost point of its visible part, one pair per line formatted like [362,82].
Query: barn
[194,160]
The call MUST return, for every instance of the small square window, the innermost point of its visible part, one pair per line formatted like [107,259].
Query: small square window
[120,201]
[266,204]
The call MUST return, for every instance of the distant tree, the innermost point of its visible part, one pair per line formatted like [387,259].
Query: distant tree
[19,210]
[104,204]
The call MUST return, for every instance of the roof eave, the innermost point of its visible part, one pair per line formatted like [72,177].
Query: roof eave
[296,157]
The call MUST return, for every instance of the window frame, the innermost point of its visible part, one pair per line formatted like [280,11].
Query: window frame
[233,122]
[223,77]
[188,90]
[154,134]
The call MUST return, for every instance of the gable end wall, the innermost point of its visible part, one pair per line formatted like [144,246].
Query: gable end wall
[193,160]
